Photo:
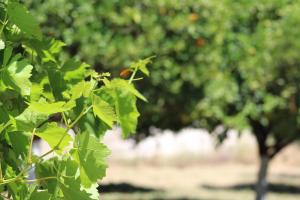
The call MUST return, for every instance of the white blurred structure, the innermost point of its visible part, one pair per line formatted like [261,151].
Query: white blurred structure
[189,143]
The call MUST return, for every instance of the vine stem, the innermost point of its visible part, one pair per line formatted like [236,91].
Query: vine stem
[41,179]
[65,120]
[133,75]
[30,147]
[69,127]
[79,116]
[29,181]
[11,180]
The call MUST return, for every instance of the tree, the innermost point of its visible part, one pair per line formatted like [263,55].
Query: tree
[45,96]
[256,85]
[229,63]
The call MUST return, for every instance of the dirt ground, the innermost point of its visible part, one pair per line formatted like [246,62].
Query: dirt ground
[200,181]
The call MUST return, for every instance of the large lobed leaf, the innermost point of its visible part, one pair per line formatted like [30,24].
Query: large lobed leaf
[90,155]
[57,137]
[16,75]
[20,16]
[104,111]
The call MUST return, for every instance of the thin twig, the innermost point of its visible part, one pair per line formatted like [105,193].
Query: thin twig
[133,75]
[41,179]
[30,147]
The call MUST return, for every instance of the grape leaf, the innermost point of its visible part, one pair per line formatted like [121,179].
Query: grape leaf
[125,85]
[29,119]
[142,65]
[127,112]
[72,187]
[71,65]
[19,142]
[122,95]
[73,192]
[48,168]
[104,111]
[74,70]
[7,55]
[53,135]
[16,75]
[50,108]
[38,195]
[46,48]
[57,83]
[19,15]
[77,90]
[91,155]
[82,88]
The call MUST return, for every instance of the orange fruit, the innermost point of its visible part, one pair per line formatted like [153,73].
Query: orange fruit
[193,17]
[125,72]
[200,42]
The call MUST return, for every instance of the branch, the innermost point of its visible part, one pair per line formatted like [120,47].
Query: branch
[79,117]
[133,75]
[41,179]
[69,127]
[274,149]
[30,147]
[261,133]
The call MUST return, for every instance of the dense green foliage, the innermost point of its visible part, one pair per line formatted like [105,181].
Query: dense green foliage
[111,33]
[43,95]
[196,42]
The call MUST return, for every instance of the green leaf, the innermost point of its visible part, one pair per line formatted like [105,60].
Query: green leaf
[50,108]
[20,16]
[127,112]
[74,70]
[125,85]
[38,195]
[71,65]
[29,119]
[142,65]
[70,104]
[48,168]
[104,111]
[4,116]
[91,155]
[123,95]
[77,90]
[37,90]
[57,83]
[71,186]
[82,88]
[73,192]
[46,48]
[19,142]
[16,75]
[53,135]
[7,55]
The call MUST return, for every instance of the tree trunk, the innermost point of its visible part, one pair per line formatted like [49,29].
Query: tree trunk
[262,183]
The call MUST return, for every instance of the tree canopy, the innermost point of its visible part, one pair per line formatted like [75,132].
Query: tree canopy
[205,49]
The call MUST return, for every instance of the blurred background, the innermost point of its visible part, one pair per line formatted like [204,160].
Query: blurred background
[223,92]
